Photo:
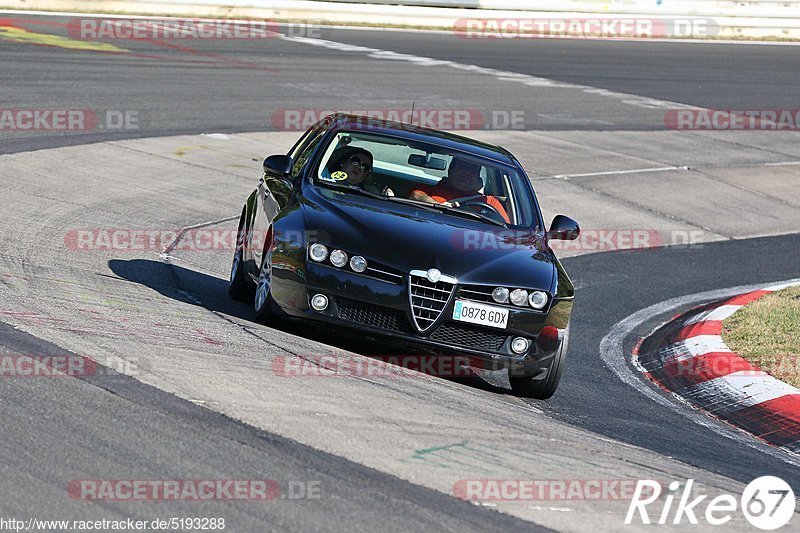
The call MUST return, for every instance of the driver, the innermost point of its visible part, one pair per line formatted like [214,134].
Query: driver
[463,181]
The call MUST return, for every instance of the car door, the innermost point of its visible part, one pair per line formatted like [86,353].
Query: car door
[276,194]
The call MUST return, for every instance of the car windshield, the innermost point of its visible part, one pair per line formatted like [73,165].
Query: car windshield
[457,183]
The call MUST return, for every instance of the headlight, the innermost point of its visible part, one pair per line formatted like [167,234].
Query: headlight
[500,295]
[338,258]
[538,299]
[519,297]
[358,263]
[318,252]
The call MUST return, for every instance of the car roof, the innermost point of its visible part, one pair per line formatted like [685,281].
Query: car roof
[344,121]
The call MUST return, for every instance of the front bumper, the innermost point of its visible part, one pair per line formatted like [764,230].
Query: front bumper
[382,308]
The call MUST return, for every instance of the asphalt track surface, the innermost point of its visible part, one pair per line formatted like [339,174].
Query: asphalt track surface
[237,86]
[228,85]
[79,428]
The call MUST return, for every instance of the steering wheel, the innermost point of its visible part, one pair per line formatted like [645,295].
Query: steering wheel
[466,198]
[476,201]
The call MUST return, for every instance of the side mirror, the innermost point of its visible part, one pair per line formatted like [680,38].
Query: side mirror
[278,166]
[563,228]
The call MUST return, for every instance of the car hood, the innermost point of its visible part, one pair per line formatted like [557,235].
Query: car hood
[407,237]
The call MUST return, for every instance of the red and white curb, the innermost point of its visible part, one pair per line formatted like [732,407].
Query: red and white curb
[688,357]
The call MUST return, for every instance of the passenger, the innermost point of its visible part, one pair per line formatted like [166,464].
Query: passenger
[463,181]
[355,162]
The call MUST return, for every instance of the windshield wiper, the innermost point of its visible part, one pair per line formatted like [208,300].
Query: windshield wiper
[409,201]
[473,214]
[364,192]
[349,188]
[417,203]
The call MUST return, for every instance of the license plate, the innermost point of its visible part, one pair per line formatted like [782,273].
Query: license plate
[485,315]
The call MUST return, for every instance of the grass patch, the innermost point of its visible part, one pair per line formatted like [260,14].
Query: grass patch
[767,334]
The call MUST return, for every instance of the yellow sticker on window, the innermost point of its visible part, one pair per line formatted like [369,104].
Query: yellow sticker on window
[339,175]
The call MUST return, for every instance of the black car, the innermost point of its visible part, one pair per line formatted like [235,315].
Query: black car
[363,224]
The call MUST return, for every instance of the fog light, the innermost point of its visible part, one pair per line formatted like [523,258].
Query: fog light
[538,299]
[500,295]
[519,345]
[318,252]
[319,302]
[358,263]
[519,296]
[338,258]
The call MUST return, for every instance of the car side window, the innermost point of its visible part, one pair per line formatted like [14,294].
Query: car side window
[301,143]
[304,152]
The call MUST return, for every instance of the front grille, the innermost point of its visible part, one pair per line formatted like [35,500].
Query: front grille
[468,337]
[383,273]
[375,316]
[428,299]
[478,293]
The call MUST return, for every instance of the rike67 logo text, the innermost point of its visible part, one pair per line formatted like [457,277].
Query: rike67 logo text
[767,503]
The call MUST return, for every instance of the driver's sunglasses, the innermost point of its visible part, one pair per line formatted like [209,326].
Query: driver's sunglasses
[356,161]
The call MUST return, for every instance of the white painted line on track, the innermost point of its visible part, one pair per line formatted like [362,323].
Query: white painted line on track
[503,75]
[782,164]
[617,172]
[780,286]
[718,313]
[613,355]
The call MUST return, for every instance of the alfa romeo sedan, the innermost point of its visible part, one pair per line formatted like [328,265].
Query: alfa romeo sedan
[413,235]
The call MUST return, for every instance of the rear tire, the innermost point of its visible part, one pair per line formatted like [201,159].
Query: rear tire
[239,287]
[542,389]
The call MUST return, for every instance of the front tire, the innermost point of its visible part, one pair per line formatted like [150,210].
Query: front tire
[542,389]
[262,300]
